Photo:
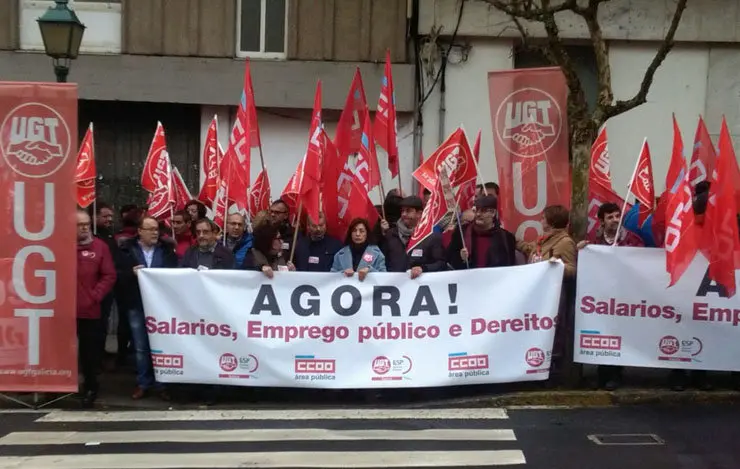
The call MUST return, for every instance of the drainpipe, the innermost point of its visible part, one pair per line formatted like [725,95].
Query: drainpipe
[442,100]
[419,93]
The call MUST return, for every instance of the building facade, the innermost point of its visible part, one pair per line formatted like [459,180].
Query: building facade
[182,61]
[699,75]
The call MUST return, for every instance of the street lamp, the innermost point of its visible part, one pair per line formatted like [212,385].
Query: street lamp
[62,33]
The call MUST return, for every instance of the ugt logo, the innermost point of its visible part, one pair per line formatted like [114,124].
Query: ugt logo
[34,140]
[528,122]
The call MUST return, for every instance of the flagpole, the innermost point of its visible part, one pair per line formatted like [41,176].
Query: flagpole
[629,190]
[296,225]
[172,216]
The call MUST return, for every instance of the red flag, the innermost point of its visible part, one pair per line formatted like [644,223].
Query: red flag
[251,110]
[721,216]
[182,194]
[433,213]
[221,200]
[353,120]
[336,196]
[259,194]
[367,169]
[85,172]
[465,195]
[703,157]
[454,156]
[600,189]
[209,163]
[680,233]
[385,127]
[310,184]
[234,179]
[642,186]
[157,177]
[292,189]
[674,177]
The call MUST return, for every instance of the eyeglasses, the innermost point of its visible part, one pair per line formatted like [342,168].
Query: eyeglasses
[150,230]
[278,212]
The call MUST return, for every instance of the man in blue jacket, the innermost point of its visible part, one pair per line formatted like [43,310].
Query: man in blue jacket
[237,237]
[315,252]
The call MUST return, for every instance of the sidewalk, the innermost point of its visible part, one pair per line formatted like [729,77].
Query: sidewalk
[643,386]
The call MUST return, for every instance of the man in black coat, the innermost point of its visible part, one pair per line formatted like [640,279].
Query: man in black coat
[427,256]
[207,254]
[486,243]
[315,251]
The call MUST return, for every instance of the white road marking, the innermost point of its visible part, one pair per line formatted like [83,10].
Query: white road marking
[211,436]
[317,414]
[269,460]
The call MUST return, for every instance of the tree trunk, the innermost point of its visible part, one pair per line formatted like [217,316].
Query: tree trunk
[580,150]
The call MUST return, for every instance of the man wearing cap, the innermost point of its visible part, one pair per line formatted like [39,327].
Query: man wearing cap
[486,243]
[427,256]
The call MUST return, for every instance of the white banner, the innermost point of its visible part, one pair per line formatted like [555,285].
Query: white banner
[328,331]
[626,315]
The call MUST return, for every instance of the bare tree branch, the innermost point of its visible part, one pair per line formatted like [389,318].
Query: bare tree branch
[526,9]
[601,54]
[641,97]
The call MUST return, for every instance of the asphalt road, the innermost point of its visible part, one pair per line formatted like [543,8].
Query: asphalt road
[679,438]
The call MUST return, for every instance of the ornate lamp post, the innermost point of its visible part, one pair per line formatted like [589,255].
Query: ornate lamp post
[62,33]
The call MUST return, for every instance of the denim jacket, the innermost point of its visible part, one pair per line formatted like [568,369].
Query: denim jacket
[373,259]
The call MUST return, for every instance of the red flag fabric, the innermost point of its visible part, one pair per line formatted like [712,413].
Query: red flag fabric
[677,166]
[292,189]
[600,190]
[367,169]
[337,196]
[454,156]
[433,213]
[235,182]
[353,120]
[465,195]
[259,194]
[703,157]
[85,172]
[221,203]
[385,127]
[209,163]
[721,216]
[251,110]
[680,233]
[182,194]
[642,186]
[310,185]
[153,159]
[157,177]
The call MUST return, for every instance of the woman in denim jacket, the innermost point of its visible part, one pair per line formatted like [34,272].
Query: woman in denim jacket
[359,253]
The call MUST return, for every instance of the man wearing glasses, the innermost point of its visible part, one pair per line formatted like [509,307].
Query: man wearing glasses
[146,250]
[279,214]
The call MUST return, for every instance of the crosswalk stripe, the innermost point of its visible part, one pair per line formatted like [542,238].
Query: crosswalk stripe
[316,414]
[213,436]
[369,459]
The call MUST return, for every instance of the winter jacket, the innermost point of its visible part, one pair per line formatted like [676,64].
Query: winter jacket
[222,258]
[373,259]
[315,256]
[96,276]
[557,244]
[501,253]
[255,260]
[429,254]
[184,242]
[128,292]
[241,248]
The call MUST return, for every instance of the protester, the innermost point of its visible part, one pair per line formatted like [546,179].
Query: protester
[608,215]
[263,216]
[104,231]
[238,240]
[267,254]
[359,254]
[279,215]
[148,249]
[427,256]
[207,253]
[96,276]
[486,243]
[196,209]
[555,243]
[129,230]
[315,251]
[183,229]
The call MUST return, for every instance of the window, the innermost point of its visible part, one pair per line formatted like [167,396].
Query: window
[261,27]
[584,64]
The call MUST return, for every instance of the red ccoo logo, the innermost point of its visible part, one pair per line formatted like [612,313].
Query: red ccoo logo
[467,362]
[604,342]
[314,365]
[161,360]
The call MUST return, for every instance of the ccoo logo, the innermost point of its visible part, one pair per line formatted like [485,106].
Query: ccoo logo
[34,140]
[528,122]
